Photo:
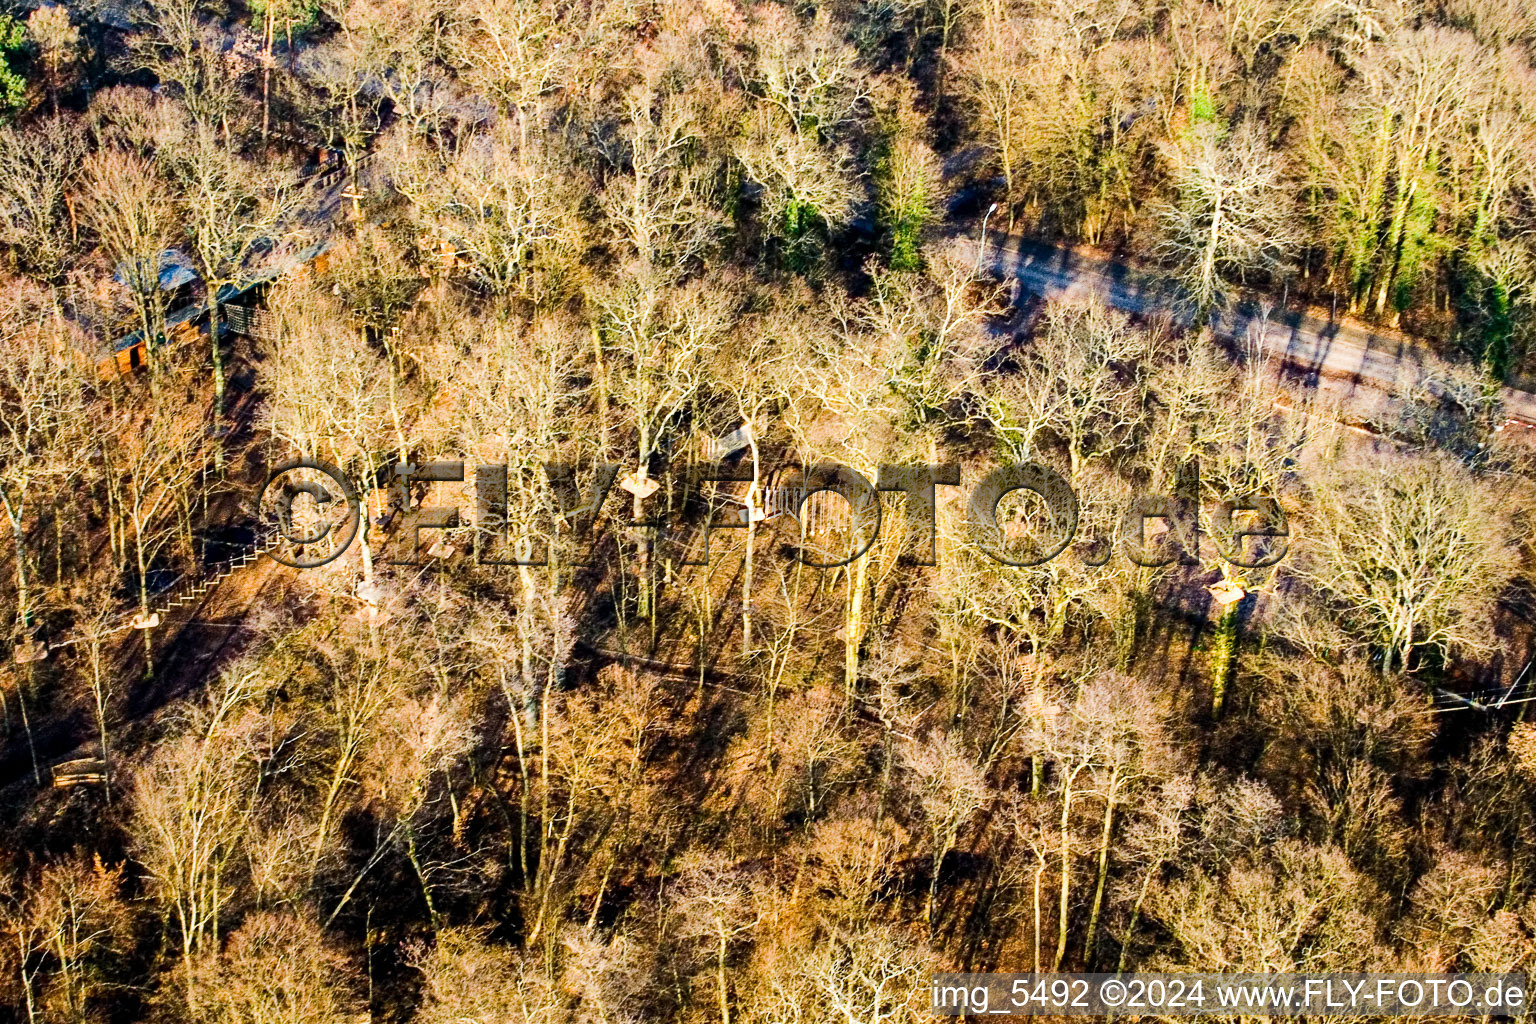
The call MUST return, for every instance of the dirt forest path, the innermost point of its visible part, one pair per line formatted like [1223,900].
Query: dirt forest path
[1337,356]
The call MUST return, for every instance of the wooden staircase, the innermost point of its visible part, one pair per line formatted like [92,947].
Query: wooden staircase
[196,589]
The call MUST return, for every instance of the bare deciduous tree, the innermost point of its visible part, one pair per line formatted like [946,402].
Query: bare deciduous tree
[950,789]
[127,204]
[276,968]
[230,209]
[40,168]
[192,806]
[42,410]
[1412,563]
[468,980]
[1231,217]
[58,46]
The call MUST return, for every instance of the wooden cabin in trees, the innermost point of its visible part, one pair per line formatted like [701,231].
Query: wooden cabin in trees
[240,305]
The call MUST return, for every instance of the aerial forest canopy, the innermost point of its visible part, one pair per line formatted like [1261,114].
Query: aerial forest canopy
[839,492]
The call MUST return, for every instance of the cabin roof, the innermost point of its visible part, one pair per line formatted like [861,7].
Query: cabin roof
[174,270]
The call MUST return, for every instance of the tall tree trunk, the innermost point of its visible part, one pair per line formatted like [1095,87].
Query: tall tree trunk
[1223,657]
[1208,280]
[642,546]
[1040,863]
[333,789]
[939,853]
[1064,909]
[266,76]
[138,550]
[216,351]
[753,497]
[1141,897]
[725,1006]
[421,877]
[22,685]
[23,954]
[853,625]
[1103,871]
[99,692]
[1396,235]
[14,513]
